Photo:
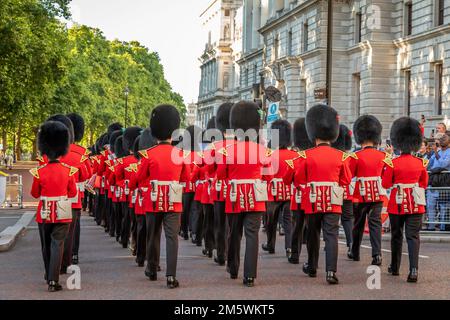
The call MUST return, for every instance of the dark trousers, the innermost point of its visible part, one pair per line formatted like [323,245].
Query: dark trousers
[90,204]
[85,200]
[298,217]
[104,212]
[274,210]
[208,226]
[347,221]
[329,222]
[412,224]
[68,243]
[198,221]
[250,223]
[126,225]
[112,219]
[188,199]
[76,240]
[101,204]
[171,223]
[52,237]
[141,238]
[220,230]
[118,218]
[108,209]
[133,228]
[371,210]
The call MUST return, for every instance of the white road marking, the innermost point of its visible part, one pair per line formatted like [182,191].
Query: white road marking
[384,250]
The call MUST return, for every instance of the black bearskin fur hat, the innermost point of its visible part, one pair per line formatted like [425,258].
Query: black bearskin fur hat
[113,138]
[192,138]
[129,137]
[114,127]
[301,139]
[406,135]
[284,133]
[223,116]
[147,140]
[164,120]
[78,126]
[119,151]
[245,115]
[322,122]
[65,121]
[53,140]
[367,128]
[344,140]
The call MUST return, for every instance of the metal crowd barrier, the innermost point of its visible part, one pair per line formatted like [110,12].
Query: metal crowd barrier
[437,217]
[11,191]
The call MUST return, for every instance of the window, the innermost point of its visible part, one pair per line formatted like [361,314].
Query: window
[357,94]
[305,36]
[408,92]
[438,87]
[227,12]
[358,27]
[255,74]
[276,46]
[289,43]
[440,12]
[408,18]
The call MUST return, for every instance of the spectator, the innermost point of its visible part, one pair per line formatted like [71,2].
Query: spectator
[441,128]
[423,151]
[438,200]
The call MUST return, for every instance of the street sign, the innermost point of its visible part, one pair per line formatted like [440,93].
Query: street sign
[273,111]
[320,94]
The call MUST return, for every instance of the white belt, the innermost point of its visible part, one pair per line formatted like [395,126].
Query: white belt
[276,180]
[200,182]
[322,184]
[405,185]
[162,183]
[244,181]
[63,198]
[367,179]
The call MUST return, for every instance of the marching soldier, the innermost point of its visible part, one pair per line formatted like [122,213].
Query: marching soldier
[78,128]
[245,166]
[407,176]
[301,143]
[325,173]
[219,187]
[163,165]
[344,143]
[279,192]
[73,159]
[368,194]
[54,184]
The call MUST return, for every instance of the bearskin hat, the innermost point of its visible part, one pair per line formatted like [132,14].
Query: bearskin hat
[245,115]
[192,138]
[129,137]
[322,123]
[367,128]
[119,151]
[136,148]
[344,140]
[147,140]
[301,139]
[53,139]
[284,133]
[211,123]
[114,127]
[78,126]
[65,121]
[164,120]
[223,116]
[113,138]
[406,135]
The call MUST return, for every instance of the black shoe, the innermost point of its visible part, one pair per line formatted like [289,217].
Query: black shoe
[265,247]
[288,253]
[393,271]
[63,270]
[351,256]
[207,253]
[293,260]
[75,259]
[54,286]
[233,276]
[152,276]
[133,252]
[307,270]
[172,283]
[331,277]
[106,230]
[376,261]
[413,275]
[118,238]
[140,264]
[220,262]
[249,282]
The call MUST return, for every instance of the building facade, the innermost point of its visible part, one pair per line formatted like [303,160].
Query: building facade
[390,58]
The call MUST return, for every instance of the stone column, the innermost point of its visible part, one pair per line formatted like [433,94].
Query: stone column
[292,81]
[256,23]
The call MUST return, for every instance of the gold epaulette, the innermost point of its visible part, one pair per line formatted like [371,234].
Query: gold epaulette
[120,160]
[40,158]
[425,162]
[186,154]
[301,154]
[84,158]
[143,154]
[200,154]
[223,150]
[108,163]
[269,152]
[347,155]
[290,163]
[73,171]
[112,168]
[388,160]
[35,172]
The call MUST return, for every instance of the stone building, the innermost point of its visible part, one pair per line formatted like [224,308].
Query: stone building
[390,58]
[191,114]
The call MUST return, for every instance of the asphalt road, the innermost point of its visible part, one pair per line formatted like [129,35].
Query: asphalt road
[109,272]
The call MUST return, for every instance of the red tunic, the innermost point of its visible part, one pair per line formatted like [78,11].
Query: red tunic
[279,190]
[409,170]
[290,178]
[323,165]
[219,187]
[160,165]
[53,180]
[244,161]
[367,167]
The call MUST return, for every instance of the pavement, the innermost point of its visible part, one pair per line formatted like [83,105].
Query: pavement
[13,224]
[109,272]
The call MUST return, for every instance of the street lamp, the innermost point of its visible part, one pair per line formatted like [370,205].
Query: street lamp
[126,92]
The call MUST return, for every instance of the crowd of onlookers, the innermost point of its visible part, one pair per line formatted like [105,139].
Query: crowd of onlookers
[437,150]
[6,159]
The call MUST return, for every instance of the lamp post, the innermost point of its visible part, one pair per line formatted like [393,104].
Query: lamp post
[329,51]
[126,92]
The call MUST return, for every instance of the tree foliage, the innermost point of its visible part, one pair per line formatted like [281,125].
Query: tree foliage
[46,68]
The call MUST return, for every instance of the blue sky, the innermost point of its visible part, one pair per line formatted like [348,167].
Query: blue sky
[170,27]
